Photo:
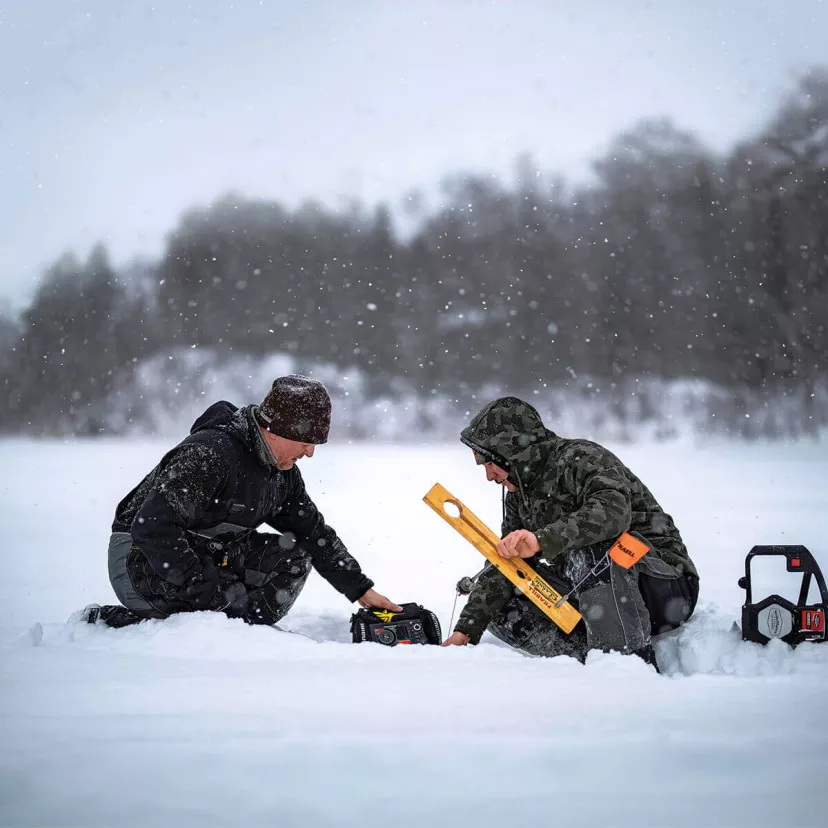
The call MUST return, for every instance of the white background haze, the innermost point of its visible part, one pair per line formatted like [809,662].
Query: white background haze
[115,117]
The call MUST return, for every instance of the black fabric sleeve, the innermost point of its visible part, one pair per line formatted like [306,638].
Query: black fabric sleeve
[299,517]
[181,492]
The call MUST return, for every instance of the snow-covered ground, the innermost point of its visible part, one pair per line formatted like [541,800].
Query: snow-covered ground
[200,720]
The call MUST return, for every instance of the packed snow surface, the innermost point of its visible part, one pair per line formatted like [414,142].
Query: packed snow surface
[199,720]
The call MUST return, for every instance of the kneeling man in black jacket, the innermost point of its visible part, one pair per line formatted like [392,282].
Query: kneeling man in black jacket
[185,538]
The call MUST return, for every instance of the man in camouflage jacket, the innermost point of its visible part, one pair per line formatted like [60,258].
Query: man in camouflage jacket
[566,502]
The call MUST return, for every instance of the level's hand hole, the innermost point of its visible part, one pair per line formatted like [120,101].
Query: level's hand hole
[520,574]
[451,508]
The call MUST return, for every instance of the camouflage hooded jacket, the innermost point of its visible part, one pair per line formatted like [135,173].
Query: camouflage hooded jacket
[571,493]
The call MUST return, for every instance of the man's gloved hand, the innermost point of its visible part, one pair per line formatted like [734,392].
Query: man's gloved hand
[204,591]
[235,598]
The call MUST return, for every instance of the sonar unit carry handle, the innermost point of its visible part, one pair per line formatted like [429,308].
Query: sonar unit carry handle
[775,616]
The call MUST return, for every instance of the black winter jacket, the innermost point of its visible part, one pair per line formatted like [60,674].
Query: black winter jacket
[224,473]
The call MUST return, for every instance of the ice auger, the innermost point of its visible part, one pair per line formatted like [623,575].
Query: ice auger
[775,616]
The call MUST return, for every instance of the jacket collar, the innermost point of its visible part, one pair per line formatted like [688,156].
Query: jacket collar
[260,447]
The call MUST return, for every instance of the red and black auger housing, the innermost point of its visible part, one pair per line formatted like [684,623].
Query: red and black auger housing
[777,617]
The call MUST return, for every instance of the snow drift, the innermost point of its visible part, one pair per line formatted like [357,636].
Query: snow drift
[200,720]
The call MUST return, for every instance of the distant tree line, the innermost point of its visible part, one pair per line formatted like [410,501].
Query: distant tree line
[675,262]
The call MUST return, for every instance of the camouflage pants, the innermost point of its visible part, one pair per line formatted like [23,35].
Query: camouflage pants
[519,624]
[613,610]
[265,577]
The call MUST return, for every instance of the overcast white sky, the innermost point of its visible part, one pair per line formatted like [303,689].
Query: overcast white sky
[117,115]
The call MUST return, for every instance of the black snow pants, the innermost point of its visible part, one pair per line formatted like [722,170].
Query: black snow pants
[261,575]
[621,609]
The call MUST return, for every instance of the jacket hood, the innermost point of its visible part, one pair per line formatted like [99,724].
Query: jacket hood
[512,432]
[238,423]
[218,415]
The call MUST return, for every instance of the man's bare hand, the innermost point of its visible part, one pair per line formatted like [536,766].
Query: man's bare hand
[456,639]
[373,599]
[518,544]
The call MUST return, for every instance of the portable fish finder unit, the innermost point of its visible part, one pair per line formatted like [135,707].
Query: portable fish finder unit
[775,616]
[414,625]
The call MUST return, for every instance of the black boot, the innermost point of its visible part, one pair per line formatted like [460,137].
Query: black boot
[112,615]
[648,654]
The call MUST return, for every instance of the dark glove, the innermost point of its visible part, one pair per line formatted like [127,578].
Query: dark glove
[235,599]
[204,590]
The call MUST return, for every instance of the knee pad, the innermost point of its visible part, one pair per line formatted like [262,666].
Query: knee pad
[670,596]
[610,602]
